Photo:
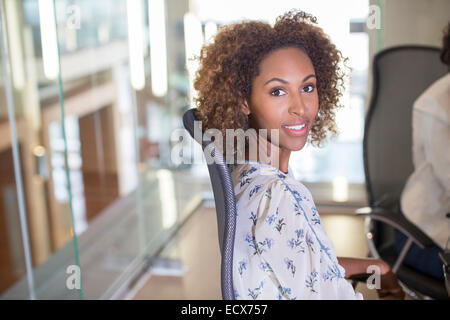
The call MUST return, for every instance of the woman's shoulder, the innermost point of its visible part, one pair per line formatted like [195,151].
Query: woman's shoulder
[253,172]
[434,100]
[257,179]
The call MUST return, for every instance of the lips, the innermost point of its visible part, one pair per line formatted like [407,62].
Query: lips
[297,128]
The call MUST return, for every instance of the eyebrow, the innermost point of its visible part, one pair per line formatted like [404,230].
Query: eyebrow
[284,81]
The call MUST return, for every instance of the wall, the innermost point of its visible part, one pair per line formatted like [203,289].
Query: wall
[415,22]
[403,22]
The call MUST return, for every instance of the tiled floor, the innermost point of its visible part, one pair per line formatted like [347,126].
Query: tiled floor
[197,247]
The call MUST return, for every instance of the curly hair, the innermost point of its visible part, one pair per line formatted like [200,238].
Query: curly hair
[230,63]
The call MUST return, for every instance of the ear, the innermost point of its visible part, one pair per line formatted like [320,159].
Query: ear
[245,108]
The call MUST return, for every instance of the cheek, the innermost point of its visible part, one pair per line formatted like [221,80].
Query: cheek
[269,115]
[313,105]
[274,118]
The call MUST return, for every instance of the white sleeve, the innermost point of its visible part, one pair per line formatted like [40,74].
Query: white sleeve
[437,148]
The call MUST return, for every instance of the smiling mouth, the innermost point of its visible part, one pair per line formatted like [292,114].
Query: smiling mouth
[297,129]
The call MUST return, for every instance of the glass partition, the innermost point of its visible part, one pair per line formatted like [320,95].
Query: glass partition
[97,88]
[38,242]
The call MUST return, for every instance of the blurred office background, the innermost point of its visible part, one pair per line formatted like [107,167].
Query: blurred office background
[90,94]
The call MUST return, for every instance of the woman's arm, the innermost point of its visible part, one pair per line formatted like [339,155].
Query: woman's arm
[389,286]
[355,266]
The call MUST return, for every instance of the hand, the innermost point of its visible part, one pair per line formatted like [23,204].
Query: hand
[390,288]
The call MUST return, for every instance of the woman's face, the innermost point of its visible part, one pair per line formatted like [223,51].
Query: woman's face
[284,97]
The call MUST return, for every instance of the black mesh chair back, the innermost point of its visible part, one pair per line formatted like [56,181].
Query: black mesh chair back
[401,74]
[225,202]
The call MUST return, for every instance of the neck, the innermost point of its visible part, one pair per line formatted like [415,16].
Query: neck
[267,152]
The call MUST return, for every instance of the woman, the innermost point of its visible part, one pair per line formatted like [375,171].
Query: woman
[284,81]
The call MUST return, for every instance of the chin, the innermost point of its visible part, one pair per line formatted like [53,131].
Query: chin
[296,146]
[299,147]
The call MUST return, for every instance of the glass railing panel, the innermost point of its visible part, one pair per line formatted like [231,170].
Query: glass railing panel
[128,196]
[35,197]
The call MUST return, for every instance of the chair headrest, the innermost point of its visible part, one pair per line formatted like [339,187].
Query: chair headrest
[189,123]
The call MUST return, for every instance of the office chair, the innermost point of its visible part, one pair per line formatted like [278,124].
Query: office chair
[224,198]
[400,75]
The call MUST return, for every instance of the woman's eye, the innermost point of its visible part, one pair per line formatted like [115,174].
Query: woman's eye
[309,88]
[277,92]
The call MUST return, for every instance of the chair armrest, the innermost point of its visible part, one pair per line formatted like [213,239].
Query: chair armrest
[398,222]
[360,277]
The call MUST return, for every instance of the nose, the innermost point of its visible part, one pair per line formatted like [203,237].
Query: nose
[297,105]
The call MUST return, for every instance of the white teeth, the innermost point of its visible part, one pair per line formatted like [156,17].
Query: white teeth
[295,127]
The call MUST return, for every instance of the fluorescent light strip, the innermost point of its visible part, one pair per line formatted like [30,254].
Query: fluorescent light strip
[17,65]
[193,37]
[340,189]
[167,198]
[135,43]
[49,38]
[158,46]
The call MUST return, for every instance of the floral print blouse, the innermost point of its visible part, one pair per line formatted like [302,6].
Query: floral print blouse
[281,250]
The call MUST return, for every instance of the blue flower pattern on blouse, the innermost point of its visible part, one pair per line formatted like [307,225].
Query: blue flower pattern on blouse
[265,267]
[242,266]
[281,250]
[255,190]
[310,242]
[297,243]
[256,292]
[258,247]
[315,216]
[244,176]
[290,265]
[270,219]
[311,281]
[284,292]
[253,218]
[280,225]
